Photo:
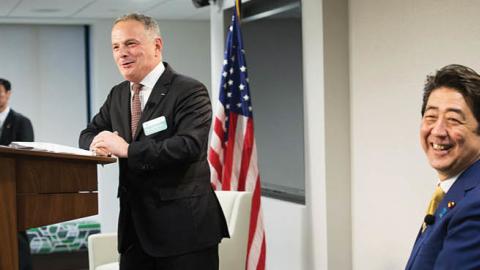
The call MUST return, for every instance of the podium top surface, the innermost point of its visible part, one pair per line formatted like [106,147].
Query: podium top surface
[6,151]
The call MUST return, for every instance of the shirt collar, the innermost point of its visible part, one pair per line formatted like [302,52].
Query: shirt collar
[4,114]
[446,184]
[151,79]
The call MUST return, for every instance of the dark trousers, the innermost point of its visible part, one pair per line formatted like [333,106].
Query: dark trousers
[24,255]
[135,258]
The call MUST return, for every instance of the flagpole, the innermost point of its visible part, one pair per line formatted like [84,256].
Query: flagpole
[238,7]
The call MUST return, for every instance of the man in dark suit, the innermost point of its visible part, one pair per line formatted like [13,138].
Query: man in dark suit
[157,123]
[450,136]
[15,127]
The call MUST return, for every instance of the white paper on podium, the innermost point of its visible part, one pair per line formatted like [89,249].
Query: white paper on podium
[51,147]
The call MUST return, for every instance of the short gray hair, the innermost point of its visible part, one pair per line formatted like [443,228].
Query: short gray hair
[148,22]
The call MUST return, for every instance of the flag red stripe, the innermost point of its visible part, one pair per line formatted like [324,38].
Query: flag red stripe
[254,215]
[215,162]
[228,158]
[218,129]
[246,155]
[263,254]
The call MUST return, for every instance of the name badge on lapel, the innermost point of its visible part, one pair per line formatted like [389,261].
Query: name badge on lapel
[155,125]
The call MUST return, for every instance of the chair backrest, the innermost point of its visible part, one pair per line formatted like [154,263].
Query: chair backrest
[236,208]
[102,248]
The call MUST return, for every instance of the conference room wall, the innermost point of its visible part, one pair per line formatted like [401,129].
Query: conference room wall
[394,45]
[46,67]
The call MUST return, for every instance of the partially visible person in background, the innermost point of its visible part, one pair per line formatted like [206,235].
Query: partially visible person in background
[15,127]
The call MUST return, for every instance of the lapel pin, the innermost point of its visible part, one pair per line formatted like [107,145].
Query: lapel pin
[8,126]
[451,204]
[443,212]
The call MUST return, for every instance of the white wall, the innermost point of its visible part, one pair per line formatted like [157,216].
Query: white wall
[285,233]
[46,67]
[337,133]
[394,45]
[314,104]
[186,49]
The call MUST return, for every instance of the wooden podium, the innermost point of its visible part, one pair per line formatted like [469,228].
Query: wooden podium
[40,188]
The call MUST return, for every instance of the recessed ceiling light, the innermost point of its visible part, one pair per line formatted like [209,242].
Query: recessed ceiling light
[47,10]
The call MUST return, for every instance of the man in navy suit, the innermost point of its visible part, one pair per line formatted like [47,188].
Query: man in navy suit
[157,123]
[450,137]
[15,127]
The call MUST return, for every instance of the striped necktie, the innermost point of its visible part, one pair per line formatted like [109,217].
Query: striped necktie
[136,108]
[432,206]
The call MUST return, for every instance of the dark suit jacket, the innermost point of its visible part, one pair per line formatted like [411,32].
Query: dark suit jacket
[453,241]
[16,128]
[164,187]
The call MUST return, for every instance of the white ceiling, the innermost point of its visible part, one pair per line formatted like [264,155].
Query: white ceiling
[28,10]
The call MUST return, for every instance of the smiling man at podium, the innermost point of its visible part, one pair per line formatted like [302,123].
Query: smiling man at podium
[157,123]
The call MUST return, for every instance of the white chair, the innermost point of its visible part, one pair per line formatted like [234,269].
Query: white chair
[102,248]
[102,251]
[236,208]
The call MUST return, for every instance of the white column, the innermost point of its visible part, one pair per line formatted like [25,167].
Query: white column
[314,119]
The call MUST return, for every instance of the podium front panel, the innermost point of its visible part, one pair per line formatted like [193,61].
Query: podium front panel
[35,175]
[36,210]
[40,188]
[8,220]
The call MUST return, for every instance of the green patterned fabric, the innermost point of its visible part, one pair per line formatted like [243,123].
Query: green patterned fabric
[62,237]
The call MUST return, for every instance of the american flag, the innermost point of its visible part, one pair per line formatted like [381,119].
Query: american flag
[233,153]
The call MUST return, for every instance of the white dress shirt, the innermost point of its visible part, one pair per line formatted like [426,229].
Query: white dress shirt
[148,83]
[446,184]
[3,116]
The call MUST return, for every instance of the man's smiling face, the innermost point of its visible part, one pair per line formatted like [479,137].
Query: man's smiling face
[135,50]
[448,133]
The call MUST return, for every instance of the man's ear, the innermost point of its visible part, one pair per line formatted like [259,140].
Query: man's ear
[158,45]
